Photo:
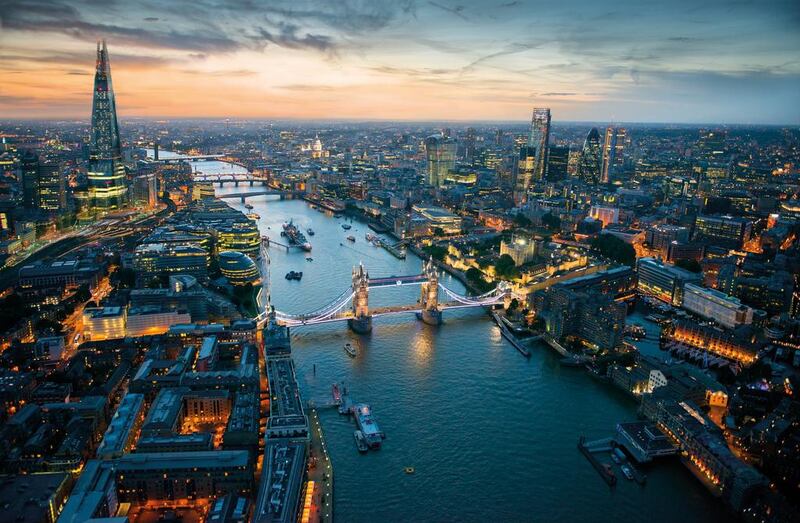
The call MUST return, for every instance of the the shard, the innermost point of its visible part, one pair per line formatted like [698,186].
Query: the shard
[107,184]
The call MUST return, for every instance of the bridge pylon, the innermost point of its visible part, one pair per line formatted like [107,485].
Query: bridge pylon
[429,295]
[361,322]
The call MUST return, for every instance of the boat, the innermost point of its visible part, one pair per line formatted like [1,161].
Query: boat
[253,216]
[309,259]
[310,231]
[370,237]
[336,393]
[248,206]
[346,226]
[361,441]
[409,470]
[635,332]
[296,237]
[351,238]
[627,471]
[615,459]
[292,275]
[368,426]
[609,470]
[350,350]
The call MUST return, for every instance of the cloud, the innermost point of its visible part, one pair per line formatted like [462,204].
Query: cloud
[558,94]
[457,10]
[288,35]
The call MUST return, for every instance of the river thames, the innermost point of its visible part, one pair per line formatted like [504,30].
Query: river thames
[490,434]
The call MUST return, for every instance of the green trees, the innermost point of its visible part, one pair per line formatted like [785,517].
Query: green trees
[437,252]
[475,278]
[551,221]
[612,247]
[689,265]
[506,268]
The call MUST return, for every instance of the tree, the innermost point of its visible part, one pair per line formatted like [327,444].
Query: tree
[475,277]
[45,325]
[513,305]
[689,265]
[437,252]
[551,221]
[612,247]
[126,278]
[520,220]
[505,267]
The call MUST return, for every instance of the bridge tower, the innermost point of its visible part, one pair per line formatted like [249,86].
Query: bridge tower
[361,322]
[429,295]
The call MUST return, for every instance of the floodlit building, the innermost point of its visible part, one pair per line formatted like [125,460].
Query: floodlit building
[663,281]
[711,304]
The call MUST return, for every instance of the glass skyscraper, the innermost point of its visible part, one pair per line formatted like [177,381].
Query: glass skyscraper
[107,184]
[540,139]
[614,145]
[440,153]
[591,158]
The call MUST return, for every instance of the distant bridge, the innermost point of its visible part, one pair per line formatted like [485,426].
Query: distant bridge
[266,192]
[352,304]
[189,158]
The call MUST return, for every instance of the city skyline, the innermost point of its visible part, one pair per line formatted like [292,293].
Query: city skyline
[716,63]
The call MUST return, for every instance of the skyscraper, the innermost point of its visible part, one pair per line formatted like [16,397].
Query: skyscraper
[440,153]
[51,188]
[614,145]
[29,167]
[523,172]
[557,161]
[107,185]
[591,158]
[540,140]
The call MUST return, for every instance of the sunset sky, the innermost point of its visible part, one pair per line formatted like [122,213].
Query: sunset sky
[668,61]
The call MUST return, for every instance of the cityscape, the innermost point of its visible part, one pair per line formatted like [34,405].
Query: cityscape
[407,291]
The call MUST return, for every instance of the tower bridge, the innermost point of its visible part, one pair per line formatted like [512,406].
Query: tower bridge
[352,305]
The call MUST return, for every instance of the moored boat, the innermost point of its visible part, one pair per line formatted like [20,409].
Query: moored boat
[361,441]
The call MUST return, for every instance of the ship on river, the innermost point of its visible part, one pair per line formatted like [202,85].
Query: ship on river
[295,237]
[367,425]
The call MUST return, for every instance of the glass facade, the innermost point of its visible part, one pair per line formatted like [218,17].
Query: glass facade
[107,183]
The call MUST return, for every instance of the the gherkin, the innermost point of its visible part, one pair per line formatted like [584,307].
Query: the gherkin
[107,187]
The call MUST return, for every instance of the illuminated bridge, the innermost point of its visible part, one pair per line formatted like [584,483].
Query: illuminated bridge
[353,304]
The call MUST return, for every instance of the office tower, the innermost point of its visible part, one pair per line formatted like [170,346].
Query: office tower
[539,139]
[107,184]
[711,145]
[616,139]
[441,155]
[726,231]
[469,144]
[589,166]
[51,190]
[29,166]
[557,163]
[523,172]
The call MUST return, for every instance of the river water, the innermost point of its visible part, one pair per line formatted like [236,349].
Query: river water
[491,435]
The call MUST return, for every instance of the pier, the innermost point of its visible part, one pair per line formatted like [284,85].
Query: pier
[508,335]
[587,449]
[320,473]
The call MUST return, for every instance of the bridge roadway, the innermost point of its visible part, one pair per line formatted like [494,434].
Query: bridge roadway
[266,192]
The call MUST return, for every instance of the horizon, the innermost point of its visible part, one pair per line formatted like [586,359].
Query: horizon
[718,63]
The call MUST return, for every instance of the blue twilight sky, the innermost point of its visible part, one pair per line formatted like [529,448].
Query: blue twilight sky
[669,61]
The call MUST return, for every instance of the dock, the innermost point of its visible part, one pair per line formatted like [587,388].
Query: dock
[393,249]
[587,450]
[508,335]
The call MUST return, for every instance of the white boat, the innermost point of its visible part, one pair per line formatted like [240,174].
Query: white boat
[350,350]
